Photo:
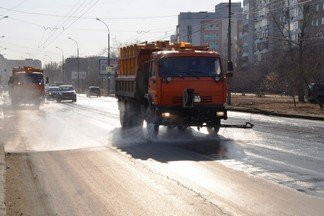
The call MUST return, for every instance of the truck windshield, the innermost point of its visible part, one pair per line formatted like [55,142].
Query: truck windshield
[189,66]
[29,78]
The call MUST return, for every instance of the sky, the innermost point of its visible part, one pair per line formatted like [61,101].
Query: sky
[35,28]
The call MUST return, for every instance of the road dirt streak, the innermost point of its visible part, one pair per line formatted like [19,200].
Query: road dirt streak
[80,165]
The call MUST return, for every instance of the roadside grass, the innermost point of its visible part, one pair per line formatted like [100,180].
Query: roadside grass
[275,103]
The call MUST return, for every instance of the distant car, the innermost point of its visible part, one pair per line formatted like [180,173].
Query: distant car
[93,91]
[52,92]
[66,92]
[316,93]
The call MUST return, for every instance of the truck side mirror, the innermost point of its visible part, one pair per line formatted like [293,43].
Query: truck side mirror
[229,72]
[47,80]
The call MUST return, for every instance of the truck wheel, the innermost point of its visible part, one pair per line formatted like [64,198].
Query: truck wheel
[126,114]
[130,115]
[122,114]
[152,131]
[182,128]
[214,129]
[152,127]
[169,129]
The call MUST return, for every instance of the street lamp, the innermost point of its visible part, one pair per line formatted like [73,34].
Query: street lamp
[78,61]
[62,62]
[108,49]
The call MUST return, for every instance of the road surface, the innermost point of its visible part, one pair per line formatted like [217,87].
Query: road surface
[73,159]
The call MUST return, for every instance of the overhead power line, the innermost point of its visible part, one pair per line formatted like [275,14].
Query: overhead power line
[111,18]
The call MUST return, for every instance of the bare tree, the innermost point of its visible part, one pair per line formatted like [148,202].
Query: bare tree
[293,30]
[53,72]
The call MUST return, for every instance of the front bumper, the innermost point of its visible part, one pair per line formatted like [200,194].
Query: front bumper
[194,116]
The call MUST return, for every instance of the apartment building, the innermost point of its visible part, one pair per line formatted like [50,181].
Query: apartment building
[211,28]
[268,25]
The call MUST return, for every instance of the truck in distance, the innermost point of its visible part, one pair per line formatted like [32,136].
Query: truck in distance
[26,86]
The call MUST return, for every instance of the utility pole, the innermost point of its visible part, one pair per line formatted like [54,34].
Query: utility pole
[78,62]
[229,49]
[63,65]
[108,55]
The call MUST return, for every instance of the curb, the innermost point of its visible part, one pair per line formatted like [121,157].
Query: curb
[271,113]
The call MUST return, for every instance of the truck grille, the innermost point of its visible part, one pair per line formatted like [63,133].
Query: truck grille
[204,99]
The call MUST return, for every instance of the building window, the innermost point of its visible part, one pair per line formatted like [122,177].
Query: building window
[189,39]
[189,30]
[189,33]
[209,25]
[317,7]
[323,20]
[210,36]
[259,57]
[213,45]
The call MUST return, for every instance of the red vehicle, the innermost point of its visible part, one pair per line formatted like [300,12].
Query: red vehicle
[175,85]
[26,86]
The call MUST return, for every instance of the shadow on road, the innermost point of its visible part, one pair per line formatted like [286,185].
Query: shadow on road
[191,145]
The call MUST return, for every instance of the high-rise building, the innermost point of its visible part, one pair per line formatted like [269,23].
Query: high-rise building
[269,25]
[211,28]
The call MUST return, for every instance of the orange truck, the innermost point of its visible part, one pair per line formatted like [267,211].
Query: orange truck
[174,85]
[26,86]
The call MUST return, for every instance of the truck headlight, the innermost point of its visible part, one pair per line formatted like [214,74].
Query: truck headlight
[220,114]
[217,78]
[166,115]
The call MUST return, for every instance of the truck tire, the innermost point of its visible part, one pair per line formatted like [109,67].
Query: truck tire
[121,107]
[152,131]
[129,114]
[151,125]
[213,130]
[182,128]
